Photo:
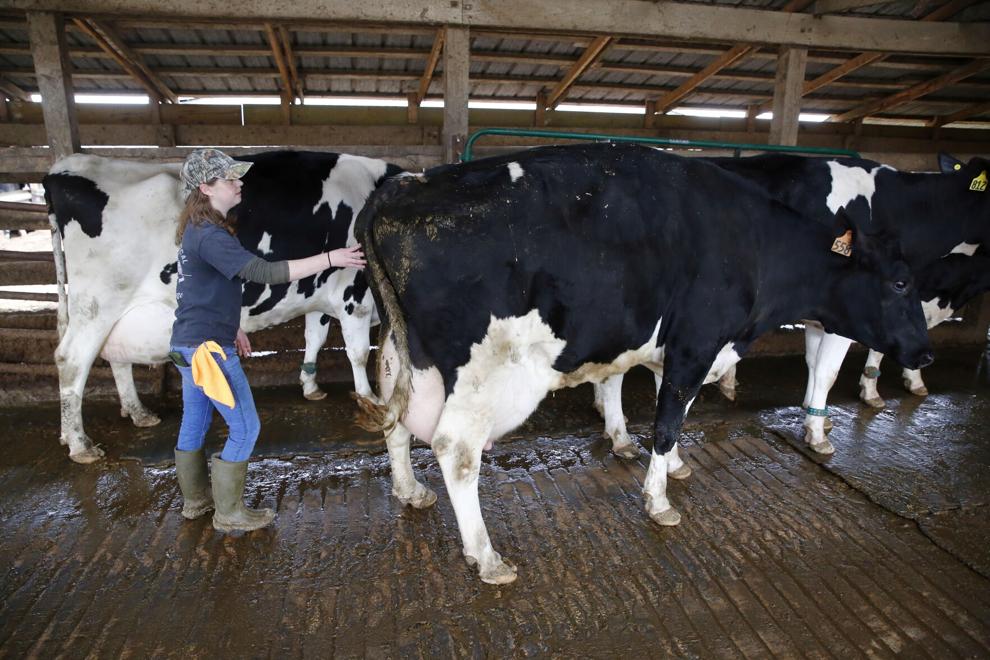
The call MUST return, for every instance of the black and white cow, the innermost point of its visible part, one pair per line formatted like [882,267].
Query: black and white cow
[942,220]
[506,278]
[118,219]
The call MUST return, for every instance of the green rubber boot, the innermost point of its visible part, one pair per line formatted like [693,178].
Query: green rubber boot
[194,482]
[228,494]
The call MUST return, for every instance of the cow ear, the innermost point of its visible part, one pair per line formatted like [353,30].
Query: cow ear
[948,164]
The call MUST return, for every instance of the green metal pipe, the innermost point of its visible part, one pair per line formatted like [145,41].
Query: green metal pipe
[667,142]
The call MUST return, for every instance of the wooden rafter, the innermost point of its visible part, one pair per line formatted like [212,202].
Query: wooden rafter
[915,91]
[107,39]
[587,59]
[729,57]
[837,6]
[431,65]
[290,59]
[283,70]
[972,110]
[12,90]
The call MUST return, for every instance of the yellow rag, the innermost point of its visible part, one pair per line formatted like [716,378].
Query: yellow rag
[207,374]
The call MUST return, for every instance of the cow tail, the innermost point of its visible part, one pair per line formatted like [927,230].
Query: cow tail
[374,416]
[58,254]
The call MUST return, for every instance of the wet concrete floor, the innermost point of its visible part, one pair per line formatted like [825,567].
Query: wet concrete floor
[881,550]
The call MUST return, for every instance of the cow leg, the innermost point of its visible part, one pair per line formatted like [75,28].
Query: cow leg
[405,487]
[831,351]
[356,328]
[130,403]
[868,393]
[813,335]
[679,388]
[458,444]
[610,394]
[727,383]
[73,359]
[316,336]
[913,382]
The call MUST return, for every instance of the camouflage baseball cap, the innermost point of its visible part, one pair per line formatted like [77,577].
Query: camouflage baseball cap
[205,165]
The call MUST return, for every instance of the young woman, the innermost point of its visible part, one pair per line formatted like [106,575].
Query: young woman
[207,339]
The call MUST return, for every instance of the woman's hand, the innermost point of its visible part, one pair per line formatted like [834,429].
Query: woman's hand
[349,257]
[242,343]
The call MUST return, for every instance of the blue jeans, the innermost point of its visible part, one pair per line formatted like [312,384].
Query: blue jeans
[197,408]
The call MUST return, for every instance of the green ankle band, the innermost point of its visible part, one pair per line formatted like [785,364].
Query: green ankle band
[871,372]
[309,368]
[817,412]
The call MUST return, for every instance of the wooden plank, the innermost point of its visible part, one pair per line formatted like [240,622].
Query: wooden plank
[7,256]
[590,55]
[431,65]
[28,295]
[683,21]
[837,6]
[671,99]
[283,72]
[51,64]
[456,72]
[915,91]
[108,39]
[290,58]
[972,110]
[10,220]
[787,96]
[11,89]
[18,273]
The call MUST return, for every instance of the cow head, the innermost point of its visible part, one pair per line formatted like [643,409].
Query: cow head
[970,182]
[874,300]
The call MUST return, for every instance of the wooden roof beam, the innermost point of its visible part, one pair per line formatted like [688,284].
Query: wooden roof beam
[12,90]
[671,99]
[590,55]
[915,91]
[283,71]
[972,110]
[290,58]
[431,66]
[865,59]
[838,6]
[107,39]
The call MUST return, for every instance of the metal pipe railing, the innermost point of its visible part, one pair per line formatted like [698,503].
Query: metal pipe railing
[667,142]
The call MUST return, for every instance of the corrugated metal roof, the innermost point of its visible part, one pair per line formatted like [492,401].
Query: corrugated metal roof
[196,59]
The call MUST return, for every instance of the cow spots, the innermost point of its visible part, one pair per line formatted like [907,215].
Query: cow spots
[278,292]
[252,293]
[349,308]
[72,197]
[848,183]
[969,249]
[515,171]
[264,247]
[325,319]
[356,290]
[168,271]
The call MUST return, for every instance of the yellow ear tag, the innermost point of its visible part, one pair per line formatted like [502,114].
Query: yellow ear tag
[957,167]
[843,244]
[979,184]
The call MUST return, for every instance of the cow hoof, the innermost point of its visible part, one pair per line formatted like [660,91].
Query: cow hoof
[422,498]
[824,447]
[682,472]
[629,451]
[503,572]
[315,395]
[87,455]
[728,392]
[874,402]
[919,391]
[145,420]
[667,517]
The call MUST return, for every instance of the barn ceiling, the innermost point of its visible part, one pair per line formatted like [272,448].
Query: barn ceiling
[173,58]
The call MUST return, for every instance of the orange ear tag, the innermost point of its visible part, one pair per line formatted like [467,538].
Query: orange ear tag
[979,184]
[843,244]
